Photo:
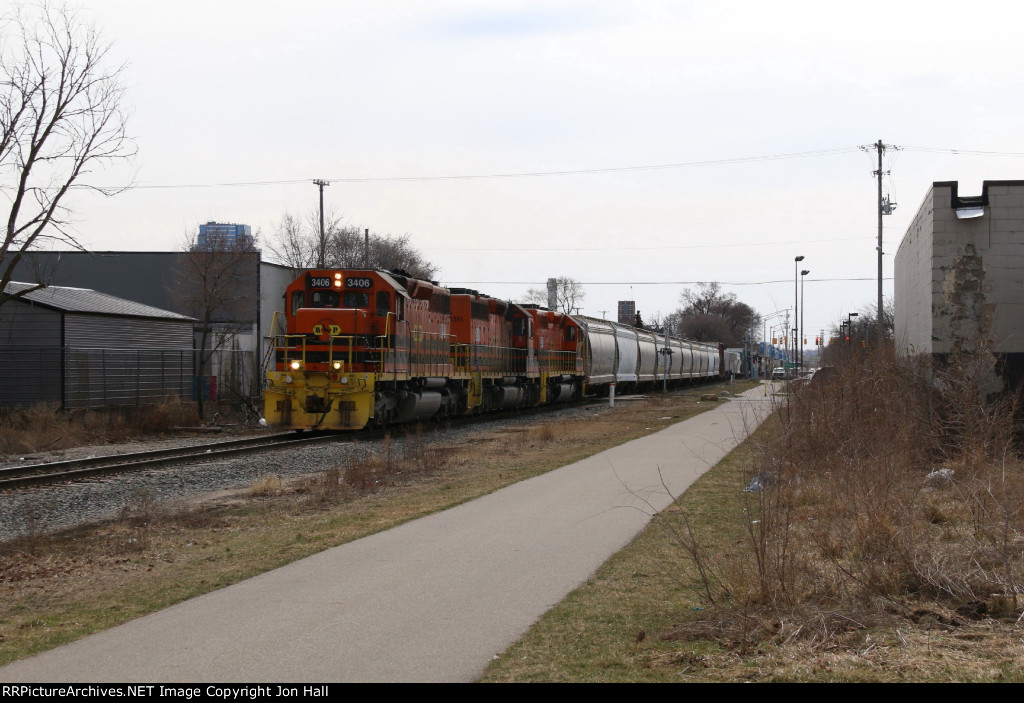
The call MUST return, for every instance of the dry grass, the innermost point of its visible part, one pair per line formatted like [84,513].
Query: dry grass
[266,486]
[56,588]
[47,428]
[889,486]
[886,544]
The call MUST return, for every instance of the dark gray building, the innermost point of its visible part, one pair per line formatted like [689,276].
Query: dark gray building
[238,343]
[78,348]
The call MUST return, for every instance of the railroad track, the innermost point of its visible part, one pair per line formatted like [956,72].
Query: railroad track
[94,467]
[77,469]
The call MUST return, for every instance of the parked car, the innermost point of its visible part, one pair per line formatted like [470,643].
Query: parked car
[779,373]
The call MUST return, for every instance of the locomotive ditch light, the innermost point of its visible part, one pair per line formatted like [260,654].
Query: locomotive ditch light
[295,365]
[337,365]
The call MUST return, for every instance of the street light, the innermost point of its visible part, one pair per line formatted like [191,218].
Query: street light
[765,328]
[802,274]
[796,308]
[849,325]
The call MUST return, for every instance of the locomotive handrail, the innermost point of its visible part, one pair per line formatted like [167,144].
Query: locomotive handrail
[461,354]
[330,352]
[558,361]
[387,348]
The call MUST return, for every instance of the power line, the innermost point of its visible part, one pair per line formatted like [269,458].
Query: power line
[564,172]
[660,283]
[524,174]
[966,152]
[688,246]
[612,169]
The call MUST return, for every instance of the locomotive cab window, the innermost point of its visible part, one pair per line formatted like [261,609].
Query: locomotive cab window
[324,299]
[570,334]
[356,300]
[298,298]
[519,327]
[383,303]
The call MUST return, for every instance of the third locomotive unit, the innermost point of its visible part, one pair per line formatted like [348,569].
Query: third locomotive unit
[365,347]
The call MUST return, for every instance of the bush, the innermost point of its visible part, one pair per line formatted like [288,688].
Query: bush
[888,485]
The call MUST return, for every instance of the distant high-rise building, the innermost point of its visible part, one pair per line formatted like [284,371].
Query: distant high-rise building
[217,235]
[627,312]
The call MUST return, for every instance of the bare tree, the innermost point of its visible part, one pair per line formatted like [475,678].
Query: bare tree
[862,331]
[346,249]
[293,244]
[868,317]
[709,315]
[60,120]
[569,295]
[297,244]
[210,284]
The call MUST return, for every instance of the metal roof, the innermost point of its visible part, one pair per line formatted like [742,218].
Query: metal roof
[88,301]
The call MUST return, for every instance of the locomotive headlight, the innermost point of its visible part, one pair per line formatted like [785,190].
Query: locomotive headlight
[338,276]
[295,365]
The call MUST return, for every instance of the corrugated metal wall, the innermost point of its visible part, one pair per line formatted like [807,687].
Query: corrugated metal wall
[126,361]
[97,331]
[29,375]
[99,360]
[30,355]
[102,377]
[25,325]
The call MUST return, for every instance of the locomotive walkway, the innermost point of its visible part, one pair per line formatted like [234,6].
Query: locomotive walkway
[431,600]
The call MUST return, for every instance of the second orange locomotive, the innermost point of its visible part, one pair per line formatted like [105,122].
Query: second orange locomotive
[367,347]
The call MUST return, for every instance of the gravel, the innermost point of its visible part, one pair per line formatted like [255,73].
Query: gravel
[52,508]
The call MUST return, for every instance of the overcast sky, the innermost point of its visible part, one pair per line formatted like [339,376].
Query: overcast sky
[656,114]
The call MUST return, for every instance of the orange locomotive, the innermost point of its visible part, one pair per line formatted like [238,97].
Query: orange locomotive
[369,347]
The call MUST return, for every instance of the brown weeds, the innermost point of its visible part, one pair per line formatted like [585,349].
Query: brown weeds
[885,489]
[45,427]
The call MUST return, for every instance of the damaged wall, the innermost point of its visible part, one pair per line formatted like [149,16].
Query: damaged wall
[960,274]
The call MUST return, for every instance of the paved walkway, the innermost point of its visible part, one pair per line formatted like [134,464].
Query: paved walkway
[431,600]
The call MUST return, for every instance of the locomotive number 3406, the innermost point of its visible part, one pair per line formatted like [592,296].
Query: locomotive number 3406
[353,282]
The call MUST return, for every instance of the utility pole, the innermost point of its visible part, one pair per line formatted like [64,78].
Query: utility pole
[366,249]
[884,208]
[322,255]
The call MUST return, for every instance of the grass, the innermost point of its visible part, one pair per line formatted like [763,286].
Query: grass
[47,428]
[888,545]
[57,588]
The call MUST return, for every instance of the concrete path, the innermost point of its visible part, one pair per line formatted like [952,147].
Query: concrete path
[431,600]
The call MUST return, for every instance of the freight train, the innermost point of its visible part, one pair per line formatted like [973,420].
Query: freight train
[364,347]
